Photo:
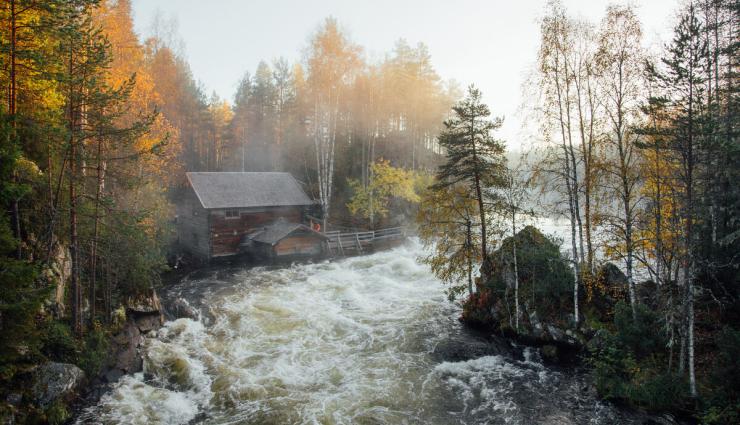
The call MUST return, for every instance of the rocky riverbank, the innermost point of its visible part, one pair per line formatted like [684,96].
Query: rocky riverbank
[540,289]
[369,337]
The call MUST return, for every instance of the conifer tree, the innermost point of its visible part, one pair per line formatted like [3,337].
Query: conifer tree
[682,80]
[474,157]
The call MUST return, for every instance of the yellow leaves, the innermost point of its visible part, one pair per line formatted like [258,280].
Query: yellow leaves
[444,218]
[661,187]
[387,182]
[129,59]
[333,59]
[221,113]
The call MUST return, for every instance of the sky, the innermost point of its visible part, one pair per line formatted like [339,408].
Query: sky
[492,44]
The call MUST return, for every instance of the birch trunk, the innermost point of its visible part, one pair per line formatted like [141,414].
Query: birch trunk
[516,269]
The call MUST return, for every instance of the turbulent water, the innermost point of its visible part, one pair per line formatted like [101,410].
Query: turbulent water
[364,340]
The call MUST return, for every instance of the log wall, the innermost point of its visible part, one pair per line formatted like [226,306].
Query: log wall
[300,244]
[227,232]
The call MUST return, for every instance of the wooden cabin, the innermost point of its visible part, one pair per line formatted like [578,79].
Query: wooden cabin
[225,214]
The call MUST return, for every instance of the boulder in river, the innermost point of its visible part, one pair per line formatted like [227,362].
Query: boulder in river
[181,308]
[54,381]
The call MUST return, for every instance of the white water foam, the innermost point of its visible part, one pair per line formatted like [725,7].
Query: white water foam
[344,342]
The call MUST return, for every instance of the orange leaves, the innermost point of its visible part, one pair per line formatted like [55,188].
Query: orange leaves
[129,59]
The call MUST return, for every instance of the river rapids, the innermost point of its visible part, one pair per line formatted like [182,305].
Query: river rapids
[363,340]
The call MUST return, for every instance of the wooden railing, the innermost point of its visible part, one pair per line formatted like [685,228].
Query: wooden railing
[343,243]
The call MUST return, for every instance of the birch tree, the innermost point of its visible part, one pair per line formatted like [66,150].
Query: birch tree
[558,171]
[514,197]
[333,62]
[620,66]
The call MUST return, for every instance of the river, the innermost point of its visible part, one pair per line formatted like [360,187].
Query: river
[363,340]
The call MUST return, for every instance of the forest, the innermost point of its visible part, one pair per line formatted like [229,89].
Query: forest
[638,154]
[636,150]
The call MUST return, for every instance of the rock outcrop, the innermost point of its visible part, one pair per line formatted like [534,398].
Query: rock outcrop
[144,316]
[56,381]
[146,312]
[144,304]
[544,280]
[57,273]
[181,308]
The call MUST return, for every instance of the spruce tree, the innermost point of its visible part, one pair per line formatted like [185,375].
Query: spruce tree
[683,82]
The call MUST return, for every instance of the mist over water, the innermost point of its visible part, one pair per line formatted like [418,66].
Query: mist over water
[364,340]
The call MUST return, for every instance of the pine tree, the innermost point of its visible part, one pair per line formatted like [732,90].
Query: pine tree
[474,157]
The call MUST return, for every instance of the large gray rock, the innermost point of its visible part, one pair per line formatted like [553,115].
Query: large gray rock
[148,323]
[180,308]
[537,329]
[126,349]
[54,381]
[556,333]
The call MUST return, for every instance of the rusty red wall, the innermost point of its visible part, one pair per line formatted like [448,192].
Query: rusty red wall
[227,233]
[304,244]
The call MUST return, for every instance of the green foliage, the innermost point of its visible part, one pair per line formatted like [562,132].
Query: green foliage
[447,220]
[619,376]
[475,160]
[611,365]
[137,256]
[95,352]
[662,391]
[628,362]
[641,337]
[21,296]
[473,155]
[372,201]
[58,413]
[723,401]
[545,280]
[89,352]
[58,342]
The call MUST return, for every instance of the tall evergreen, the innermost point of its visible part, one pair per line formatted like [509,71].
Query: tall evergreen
[474,156]
[682,77]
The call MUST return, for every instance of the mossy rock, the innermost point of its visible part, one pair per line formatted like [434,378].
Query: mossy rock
[58,413]
[549,353]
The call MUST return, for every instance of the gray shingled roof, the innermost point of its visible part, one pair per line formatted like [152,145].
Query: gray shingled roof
[247,190]
[273,233]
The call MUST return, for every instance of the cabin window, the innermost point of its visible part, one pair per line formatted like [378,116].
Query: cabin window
[231,213]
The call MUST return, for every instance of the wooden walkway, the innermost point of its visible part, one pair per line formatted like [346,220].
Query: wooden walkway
[356,243]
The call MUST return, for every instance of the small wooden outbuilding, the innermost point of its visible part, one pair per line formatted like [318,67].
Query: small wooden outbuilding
[282,239]
[229,213]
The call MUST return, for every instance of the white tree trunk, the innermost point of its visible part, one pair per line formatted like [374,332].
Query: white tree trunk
[690,329]
[516,270]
